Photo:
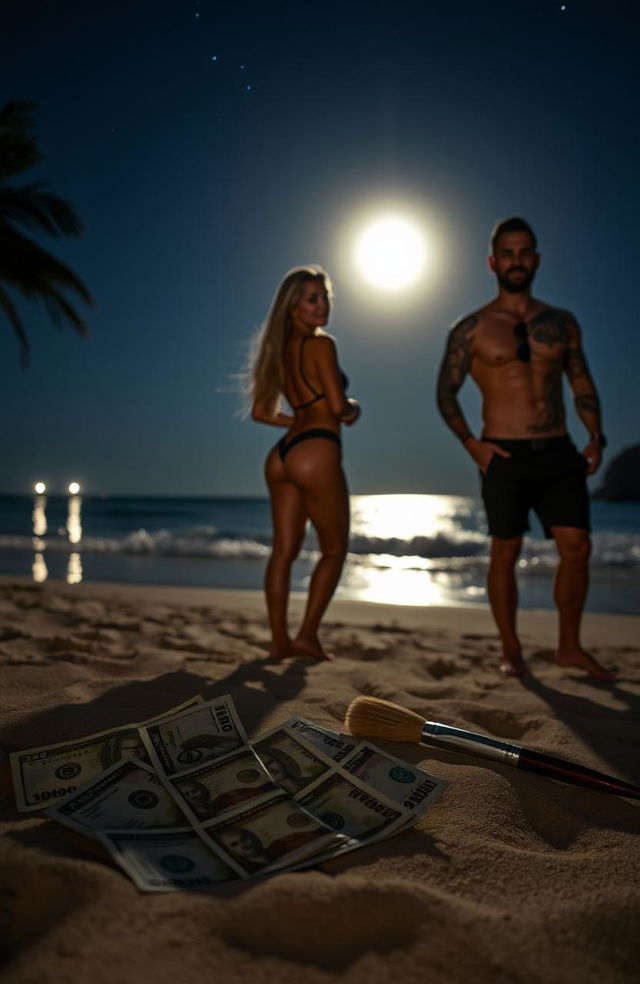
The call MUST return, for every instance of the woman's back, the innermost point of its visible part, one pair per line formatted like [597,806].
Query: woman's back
[311,384]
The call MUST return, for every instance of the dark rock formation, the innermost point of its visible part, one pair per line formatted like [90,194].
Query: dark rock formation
[622,477]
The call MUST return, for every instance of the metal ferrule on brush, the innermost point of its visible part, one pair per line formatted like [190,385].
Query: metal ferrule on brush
[459,740]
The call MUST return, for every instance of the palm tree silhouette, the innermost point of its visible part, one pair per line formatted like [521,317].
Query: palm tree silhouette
[25,266]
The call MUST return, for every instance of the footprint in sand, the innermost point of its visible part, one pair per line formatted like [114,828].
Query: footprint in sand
[358,652]
[321,922]
[32,903]
[62,644]
[9,632]
[440,668]
[503,724]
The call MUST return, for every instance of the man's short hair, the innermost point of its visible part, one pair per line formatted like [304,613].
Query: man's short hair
[514,224]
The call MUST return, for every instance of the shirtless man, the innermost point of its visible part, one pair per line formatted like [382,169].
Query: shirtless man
[516,350]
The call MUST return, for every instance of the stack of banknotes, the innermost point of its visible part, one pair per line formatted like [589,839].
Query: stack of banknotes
[186,801]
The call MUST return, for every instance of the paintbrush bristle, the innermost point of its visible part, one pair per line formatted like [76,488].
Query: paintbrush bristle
[370,717]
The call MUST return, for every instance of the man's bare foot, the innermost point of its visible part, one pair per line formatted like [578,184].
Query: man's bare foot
[310,648]
[513,665]
[583,661]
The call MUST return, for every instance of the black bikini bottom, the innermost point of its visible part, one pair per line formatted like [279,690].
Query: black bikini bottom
[285,446]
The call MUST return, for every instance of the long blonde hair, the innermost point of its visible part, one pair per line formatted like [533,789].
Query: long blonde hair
[266,361]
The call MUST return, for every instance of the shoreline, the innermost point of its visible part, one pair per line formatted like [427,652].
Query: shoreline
[597,626]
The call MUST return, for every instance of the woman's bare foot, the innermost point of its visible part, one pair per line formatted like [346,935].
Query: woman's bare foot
[583,661]
[514,668]
[309,647]
[281,650]
[512,664]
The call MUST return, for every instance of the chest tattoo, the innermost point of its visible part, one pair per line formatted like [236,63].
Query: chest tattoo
[550,327]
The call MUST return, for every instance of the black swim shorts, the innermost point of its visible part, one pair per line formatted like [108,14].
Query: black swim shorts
[547,475]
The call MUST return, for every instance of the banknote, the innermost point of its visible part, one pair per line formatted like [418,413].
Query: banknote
[336,746]
[402,783]
[352,808]
[269,836]
[47,773]
[225,784]
[207,806]
[128,795]
[166,861]
[290,760]
[201,734]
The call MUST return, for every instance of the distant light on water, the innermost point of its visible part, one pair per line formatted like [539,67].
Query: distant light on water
[74,522]
[40,488]
[74,569]
[74,488]
[39,517]
[39,570]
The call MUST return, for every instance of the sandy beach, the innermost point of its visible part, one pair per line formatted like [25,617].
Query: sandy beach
[509,877]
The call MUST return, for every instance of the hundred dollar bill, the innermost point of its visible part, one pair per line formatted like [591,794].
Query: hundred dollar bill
[50,772]
[200,734]
[217,787]
[269,836]
[291,761]
[336,746]
[413,788]
[166,861]
[353,809]
[128,795]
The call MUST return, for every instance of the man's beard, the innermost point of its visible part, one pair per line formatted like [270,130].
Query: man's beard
[519,286]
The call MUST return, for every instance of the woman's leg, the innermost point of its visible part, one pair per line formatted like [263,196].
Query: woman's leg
[289,520]
[315,466]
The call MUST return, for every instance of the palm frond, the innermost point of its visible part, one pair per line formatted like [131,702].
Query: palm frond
[38,275]
[61,311]
[32,270]
[18,148]
[32,206]
[11,313]
[24,265]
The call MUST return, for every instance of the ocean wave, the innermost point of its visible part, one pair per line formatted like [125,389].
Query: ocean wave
[142,543]
[454,543]
[455,550]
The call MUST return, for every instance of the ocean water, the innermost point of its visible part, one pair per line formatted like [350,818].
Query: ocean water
[404,549]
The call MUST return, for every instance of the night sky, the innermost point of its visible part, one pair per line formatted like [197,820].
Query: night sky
[210,146]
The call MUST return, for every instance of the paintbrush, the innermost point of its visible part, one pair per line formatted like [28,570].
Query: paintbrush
[370,717]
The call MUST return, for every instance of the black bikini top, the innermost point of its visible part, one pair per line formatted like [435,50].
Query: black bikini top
[316,395]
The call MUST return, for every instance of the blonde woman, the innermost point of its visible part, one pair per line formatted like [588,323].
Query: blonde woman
[297,359]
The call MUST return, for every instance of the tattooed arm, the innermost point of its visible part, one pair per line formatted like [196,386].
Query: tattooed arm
[585,395]
[454,368]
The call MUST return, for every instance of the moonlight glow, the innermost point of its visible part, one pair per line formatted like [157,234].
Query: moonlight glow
[391,253]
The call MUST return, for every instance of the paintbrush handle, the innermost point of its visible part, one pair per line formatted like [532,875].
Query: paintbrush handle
[469,742]
[577,775]
[472,743]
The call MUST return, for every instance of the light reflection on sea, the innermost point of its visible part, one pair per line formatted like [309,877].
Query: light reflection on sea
[408,549]
[411,579]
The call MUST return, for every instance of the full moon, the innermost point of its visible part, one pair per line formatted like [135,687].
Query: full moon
[391,253]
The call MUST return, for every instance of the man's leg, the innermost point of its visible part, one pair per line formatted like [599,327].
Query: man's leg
[572,582]
[503,596]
